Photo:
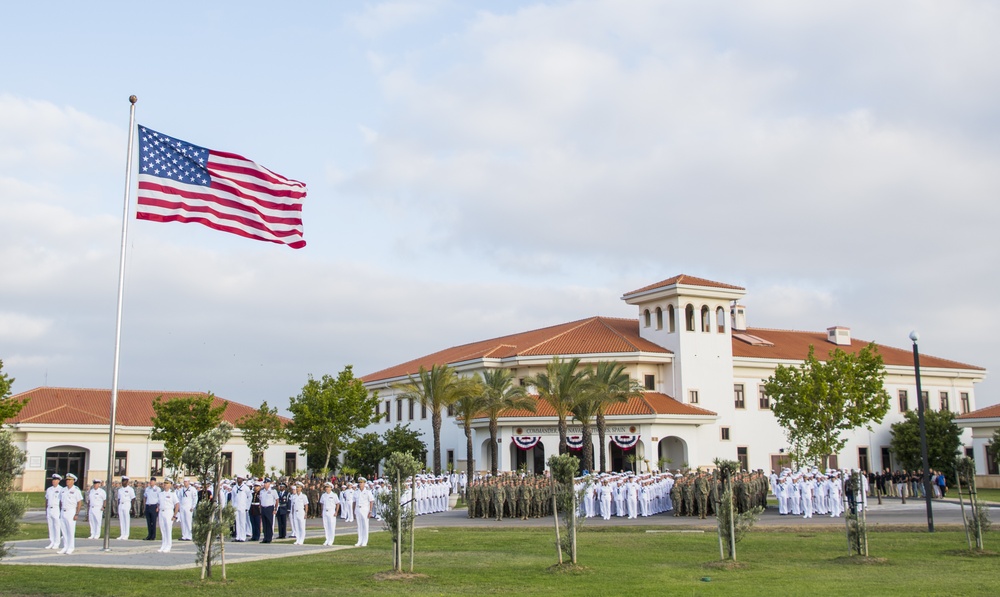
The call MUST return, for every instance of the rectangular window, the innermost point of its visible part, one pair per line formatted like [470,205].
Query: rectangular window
[725,433]
[399,410]
[121,463]
[451,410]
[744,458]
[450,462]
[739,396]
[378,411]
[886,458]
[650,382]
[944,402]
[258,459]
[992,467]
[156,464]
[227,464]
[863,463]
[925,397]
[970,452]
[762,398]
[904,401]
[411,409]
[291,463]
[423,411]
[693,396]
[964,396]
[388,410]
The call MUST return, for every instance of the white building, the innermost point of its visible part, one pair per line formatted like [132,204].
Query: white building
[983,423]
[703,369]
[65,430]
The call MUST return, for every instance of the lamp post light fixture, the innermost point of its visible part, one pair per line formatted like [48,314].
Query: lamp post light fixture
[926,480]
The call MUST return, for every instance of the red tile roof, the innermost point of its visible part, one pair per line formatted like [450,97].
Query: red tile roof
[794,345]
[687,280]
[594,335]
[649,403]
[989,412]
[76,406]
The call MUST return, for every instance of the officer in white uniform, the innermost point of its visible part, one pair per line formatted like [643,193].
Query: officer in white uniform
[126,494]
[298,502]
[53,497]
[72,497]
[363,499]
[187,497]
[96,498]
[167,514]
[241,503]
[330,502]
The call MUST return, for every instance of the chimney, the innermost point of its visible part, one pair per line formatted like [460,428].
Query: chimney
[738,315]
[839,335]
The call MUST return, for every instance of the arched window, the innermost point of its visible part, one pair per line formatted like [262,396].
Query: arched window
[645,317]
[659,318]
[720,320]
[706,319]
[671,320]
[689,318]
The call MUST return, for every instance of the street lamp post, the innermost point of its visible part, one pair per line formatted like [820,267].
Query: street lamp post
[923,434]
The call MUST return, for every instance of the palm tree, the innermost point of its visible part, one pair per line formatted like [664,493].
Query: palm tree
[608,384]
[468,406]
[499,394]
[560,386]
[584,410]
[436,389]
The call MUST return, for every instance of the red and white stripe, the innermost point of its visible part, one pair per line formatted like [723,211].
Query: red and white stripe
[244,198]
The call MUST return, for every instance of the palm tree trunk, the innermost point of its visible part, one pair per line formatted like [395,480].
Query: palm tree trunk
[436,426]
[468,461]
[493,446]
[562,435]
[588,447]
[601,430]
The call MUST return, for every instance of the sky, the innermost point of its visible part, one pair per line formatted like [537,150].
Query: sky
[477,169]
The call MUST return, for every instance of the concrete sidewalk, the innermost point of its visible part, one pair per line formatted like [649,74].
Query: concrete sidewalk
[142,555]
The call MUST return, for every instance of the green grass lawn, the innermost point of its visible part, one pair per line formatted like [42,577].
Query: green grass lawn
[620,561]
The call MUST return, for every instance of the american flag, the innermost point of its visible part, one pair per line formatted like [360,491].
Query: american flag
[182,182]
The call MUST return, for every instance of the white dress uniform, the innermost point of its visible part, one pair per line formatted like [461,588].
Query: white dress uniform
[363,499]
[241,503]
[53,497]
[165,519]
[96,498]
[298,502]
[69,509]
[330,501]
[125,496]
[187,497]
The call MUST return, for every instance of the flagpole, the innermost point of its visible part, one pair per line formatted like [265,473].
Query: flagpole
[118,328]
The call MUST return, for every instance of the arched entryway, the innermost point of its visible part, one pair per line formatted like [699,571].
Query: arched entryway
[64,460]
[672,452]
[532,459]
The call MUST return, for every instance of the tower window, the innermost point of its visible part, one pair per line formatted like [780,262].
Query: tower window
[720,320]
[706,319]
[739,396]
[650,382]
[671,320]
[645,318]
[659,318]
[964,396]
[693,396]
[689,318]
[725,433]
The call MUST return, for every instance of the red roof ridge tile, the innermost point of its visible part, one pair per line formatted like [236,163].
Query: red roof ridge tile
[617,333]
[684,279]
[574,325]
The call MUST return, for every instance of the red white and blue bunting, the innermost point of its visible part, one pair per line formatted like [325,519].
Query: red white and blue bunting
[526,442]
[574,442]
[625,442]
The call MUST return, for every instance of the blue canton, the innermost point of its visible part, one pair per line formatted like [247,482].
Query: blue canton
[167,157]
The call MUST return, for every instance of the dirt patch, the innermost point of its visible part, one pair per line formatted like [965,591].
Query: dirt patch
[726,565]
[567,568]
[972,553]
[861,561]
[398,576]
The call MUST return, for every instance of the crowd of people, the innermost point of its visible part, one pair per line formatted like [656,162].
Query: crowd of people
[265,507]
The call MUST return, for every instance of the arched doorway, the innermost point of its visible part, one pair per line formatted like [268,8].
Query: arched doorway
[67,459]
[672,452]
[532,459]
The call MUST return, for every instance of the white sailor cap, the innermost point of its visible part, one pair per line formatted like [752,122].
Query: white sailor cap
[362,480]
[57,476]
[328,484]
[71,476]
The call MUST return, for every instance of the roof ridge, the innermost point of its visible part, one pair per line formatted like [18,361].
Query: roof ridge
[617,333]
[51,410]
[642,396]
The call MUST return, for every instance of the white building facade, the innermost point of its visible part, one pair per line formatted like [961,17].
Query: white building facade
[703,370]
[65,430]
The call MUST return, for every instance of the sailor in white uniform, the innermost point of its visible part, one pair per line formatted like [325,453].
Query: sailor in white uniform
[96,498]
[125,497]
[169,505]
[363,506]
[53,497]
[330,502]
[72,497]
